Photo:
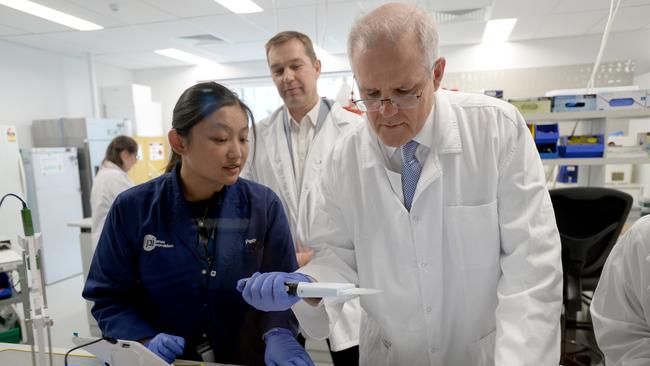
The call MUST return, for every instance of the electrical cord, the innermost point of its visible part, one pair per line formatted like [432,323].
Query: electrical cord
[13,195]
[108,339]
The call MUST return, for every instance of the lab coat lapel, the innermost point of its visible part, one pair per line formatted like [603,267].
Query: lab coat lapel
[280,161]
[372,162]
[446,137]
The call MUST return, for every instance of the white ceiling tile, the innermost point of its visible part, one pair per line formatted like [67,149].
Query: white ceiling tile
[446,5]
[129,11]
[228,53]
[461,33]
[31,24]
[568,24]
[188,8]
[7,31]
[232,28]
[579,6]
[627,19]
[48,43]
[522,8]
[81,10]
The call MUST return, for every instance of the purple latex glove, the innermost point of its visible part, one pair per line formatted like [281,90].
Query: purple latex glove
[166,346]
[267,292]
[282,349]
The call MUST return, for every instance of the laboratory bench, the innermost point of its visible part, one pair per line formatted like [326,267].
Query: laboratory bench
[20,355]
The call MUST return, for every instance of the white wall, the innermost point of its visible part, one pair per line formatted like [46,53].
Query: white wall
[38,84]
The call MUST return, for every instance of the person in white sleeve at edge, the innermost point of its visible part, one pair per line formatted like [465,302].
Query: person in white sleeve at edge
[291,145]
[461,238]
[620,309]
[111,180]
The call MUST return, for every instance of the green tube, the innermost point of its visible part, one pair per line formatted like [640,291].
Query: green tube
[28,226]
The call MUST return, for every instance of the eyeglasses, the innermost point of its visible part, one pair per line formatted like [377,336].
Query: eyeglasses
[409,101]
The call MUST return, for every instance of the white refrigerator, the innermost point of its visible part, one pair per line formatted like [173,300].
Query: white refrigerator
[12,180]
[54,196]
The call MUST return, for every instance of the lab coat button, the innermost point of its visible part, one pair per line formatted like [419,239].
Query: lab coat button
[423,264]
[416,218]
[213,273]
[429,309]
[204,271]
[432,350]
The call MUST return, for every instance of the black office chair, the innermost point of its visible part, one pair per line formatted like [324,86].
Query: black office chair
[589,220]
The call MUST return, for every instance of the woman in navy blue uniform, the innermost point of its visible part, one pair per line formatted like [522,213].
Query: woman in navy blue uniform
[172,249]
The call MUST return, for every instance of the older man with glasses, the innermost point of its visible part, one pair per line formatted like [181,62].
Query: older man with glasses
[440,201]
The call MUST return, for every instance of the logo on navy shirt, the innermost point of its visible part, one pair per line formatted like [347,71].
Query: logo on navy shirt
[150,243]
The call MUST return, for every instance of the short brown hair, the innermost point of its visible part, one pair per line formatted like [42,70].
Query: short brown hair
[286,36]
[115,148]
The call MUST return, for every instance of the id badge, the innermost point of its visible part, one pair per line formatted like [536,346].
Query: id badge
[206,352]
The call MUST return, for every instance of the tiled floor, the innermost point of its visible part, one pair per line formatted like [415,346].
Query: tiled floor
[68,310]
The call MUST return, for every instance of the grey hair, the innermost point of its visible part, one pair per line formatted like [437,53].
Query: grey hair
[370,30]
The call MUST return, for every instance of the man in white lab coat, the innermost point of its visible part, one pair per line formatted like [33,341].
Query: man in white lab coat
[440,201]
[620,308]
[290,149]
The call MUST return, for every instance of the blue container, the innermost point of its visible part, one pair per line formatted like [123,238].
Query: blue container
[546,137]
[587,146]
[575,103]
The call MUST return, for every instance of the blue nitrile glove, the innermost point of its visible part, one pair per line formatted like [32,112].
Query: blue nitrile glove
[266,291]
[166,346]
[282,348]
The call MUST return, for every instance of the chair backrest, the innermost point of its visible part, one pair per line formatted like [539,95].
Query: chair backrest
[589,220]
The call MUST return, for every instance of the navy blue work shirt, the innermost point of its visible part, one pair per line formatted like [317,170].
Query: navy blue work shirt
[147,275]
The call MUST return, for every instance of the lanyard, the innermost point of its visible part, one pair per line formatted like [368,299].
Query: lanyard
[322,115]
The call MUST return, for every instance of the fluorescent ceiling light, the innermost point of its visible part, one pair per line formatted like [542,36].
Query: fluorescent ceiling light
[51,14]
[498,30]
[320,52]
[184,56]
[240,6]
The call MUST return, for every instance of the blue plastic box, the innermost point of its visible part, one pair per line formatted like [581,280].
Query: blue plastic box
[575,103]
[546,137]
[582,146]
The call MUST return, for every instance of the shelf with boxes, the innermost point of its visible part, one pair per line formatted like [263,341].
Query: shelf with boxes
[579,134]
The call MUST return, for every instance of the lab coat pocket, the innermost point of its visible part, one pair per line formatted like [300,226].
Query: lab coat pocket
[375,346]
[482,351]
[473,235]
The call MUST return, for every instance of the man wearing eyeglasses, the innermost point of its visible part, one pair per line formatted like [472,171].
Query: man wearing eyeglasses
[440,201]
[290,148]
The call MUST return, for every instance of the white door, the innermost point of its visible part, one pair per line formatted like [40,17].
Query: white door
[58,193]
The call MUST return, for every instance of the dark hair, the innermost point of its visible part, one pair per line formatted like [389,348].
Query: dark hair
[197,103]
[115,148]
[286,36]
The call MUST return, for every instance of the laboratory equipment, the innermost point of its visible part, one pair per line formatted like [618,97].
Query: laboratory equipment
[583,146]
[117,352]
[327,289]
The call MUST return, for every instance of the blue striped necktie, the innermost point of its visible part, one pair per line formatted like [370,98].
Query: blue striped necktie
[410,172]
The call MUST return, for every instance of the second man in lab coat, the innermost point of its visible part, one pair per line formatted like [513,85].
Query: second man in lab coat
[291,147]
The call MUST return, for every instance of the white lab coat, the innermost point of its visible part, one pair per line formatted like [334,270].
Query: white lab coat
[110,181]
[472,275]
[272,167]
[620,309]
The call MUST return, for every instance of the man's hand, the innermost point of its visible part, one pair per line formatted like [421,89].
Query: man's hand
[304,257]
